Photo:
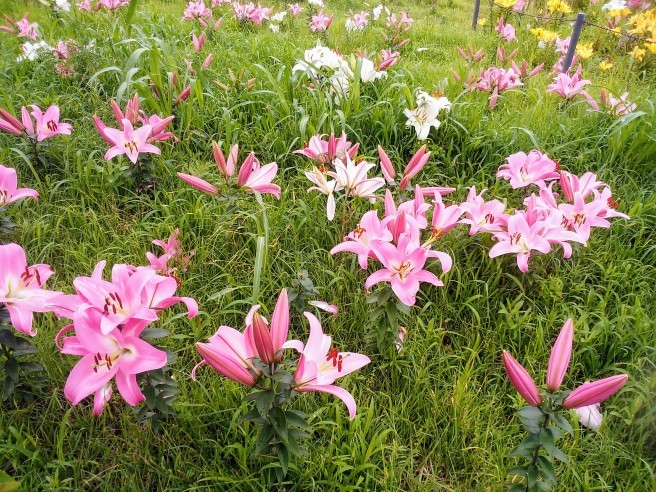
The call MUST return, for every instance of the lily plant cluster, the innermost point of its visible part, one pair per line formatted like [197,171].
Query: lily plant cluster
[256,357]
[565,209]
[544,418]
[34,125]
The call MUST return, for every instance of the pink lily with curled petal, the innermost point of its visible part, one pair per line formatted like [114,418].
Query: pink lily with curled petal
[9,190]
[582,216]
[359,240]
[319,365]
[117,354]
[21,287]
[47,124]
[252,177]
[584,185]
[444,218]
[520,239]
[481,215]
[159,292]
[523,170]
[129,141]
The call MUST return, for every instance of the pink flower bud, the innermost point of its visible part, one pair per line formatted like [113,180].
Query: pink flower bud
[560,356]
[386,165]
[201,184]
[262,338]
[521,380]
[595,392]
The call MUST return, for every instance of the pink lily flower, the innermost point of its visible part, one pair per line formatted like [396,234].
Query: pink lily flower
[387,59]
[560,356]
[583,216]
[27,29]
[523,170]
[319,365]
[159,292]
[519,239]
[483,216]
[118,301]
[386,166]
[84,5]
[9,191]
[157,127]
[225,166]
[570,184]
[404,267]
[294,9]
[521,380]
[198,183]
[21,287]
[48,125]
[506,31]
[129,141]
[444,218]
[569,87]
[118,353]
[414,213]
[320,22]
[608,211]
[595,392]
[196,10]
[359,241]
[617,106]
[325,152]
[230,353]
[252,177]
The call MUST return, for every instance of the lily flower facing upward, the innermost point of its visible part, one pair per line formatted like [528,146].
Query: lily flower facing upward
[129,141]
[424,117]
[48,125]
[319,365]
[523,170]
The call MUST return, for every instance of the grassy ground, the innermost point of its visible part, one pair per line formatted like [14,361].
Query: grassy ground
[439,416]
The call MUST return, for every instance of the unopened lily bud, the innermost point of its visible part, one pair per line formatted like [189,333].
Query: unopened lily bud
[521,380]
[595,392]
[560,356]
[262,338]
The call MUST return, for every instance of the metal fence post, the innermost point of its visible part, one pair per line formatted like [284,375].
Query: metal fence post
[576,32]
[477,7]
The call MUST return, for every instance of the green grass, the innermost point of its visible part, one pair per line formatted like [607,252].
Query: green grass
[437,416]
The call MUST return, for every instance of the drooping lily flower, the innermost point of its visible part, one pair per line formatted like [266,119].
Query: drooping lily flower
[319,365]
[590,416]
[324,186]
[118,353]
[21,287]
[9,190]
[359,241]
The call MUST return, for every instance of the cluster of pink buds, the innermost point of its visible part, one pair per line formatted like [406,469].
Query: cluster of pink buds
[129,140]
[250,178]
[585,398]
[544,222]
[496,80]
[108,318]
[235,354]
[470,56]
[45,125]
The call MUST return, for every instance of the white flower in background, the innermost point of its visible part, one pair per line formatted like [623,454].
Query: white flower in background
[274,27]
[324,186]
[590,416]
[379,10]
[316,3]
[368,72]
[63,5]
[340,84]
[351,25]
[614,5]
[279,17]
[317,58]
[425,116]
[31,51]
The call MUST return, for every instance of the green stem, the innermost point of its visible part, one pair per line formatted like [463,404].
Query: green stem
[536,453]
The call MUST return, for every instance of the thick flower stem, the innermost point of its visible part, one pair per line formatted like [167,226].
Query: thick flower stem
[536,453]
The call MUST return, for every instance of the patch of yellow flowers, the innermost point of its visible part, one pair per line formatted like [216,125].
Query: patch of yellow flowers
[506,4]
[644,25]
[558,6]
[543,34]
[585,50]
